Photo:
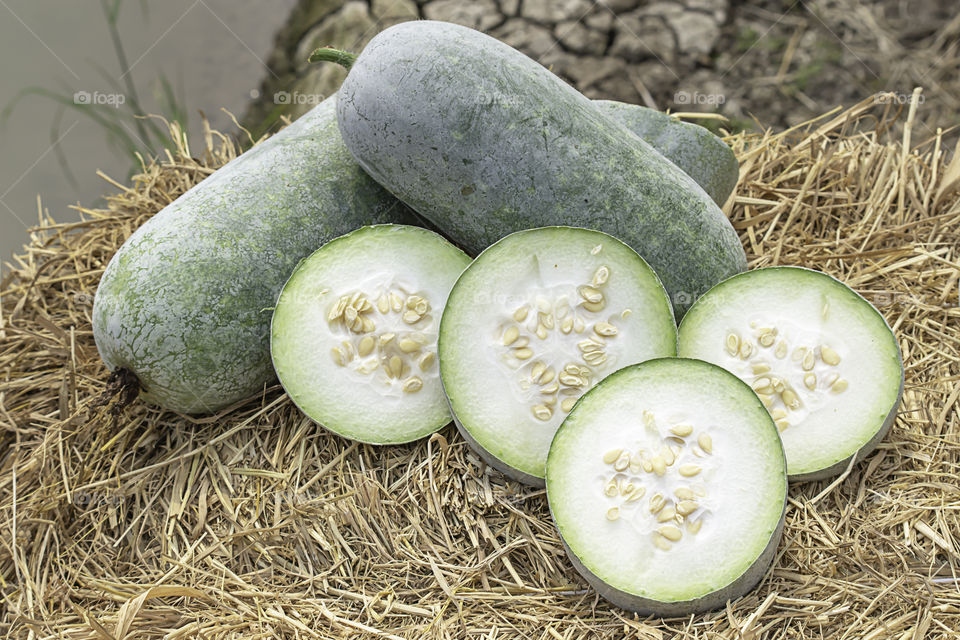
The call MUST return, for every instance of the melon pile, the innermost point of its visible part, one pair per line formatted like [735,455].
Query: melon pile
[538,313]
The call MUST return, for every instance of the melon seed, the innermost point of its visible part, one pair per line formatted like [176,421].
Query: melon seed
[682,430]
[810,381]
[611,489]
[605,329]
[760,368]
[567,404]
[733,344]
[413,384]
[523,353]
[407,345]
[411,317]
[396,366]
[670,532]
[600,275]
[661,543]
[611,456]
[767,336]
[689,470]
[666,514]
[829,356]
[808,361]
[694,527]
[790,399]
[705,442]
[781,350]
[613,514]
[566,325]
[542,412]
[622,462]
[337,356]
[839,386]
[510,336]
[746,349]
[521,314]
[656,503]
[683,493]
[427,360]
[366,346]
[686,507]
[590,294]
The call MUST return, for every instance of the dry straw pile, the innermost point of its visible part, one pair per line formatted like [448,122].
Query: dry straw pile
[138,523]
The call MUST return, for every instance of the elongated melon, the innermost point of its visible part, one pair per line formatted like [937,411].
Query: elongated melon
[702,156]
[542,155]
[185,303]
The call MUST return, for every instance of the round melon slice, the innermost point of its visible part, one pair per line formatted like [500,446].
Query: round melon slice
[354,333]
[535,321]
[820,357]
[668,485]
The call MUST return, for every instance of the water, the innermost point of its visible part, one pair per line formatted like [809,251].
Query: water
[210,50]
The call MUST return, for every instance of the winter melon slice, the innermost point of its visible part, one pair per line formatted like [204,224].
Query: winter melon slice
[354,333]
[668,485]
[536,320]
[820,357]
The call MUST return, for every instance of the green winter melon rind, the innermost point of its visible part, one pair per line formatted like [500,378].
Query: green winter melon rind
[724,391]
[185,303]
[703,156]
[539,154]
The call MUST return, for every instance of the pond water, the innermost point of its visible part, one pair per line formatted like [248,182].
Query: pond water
[210,51]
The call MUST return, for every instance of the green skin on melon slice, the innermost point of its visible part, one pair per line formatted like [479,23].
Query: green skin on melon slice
[820,357]
[667,483]
[535,321]
[354,333]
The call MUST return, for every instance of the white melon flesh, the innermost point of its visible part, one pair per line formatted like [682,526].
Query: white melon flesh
[821,358]
[354,333]
[535,321]
[668,485]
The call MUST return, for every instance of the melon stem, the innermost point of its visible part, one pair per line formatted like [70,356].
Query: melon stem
[328,54]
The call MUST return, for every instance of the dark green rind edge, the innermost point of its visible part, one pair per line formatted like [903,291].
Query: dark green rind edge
[347,436]
[423,72]
[838,467]
[714,600]
[700,154]
[492,460]
[184,304]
